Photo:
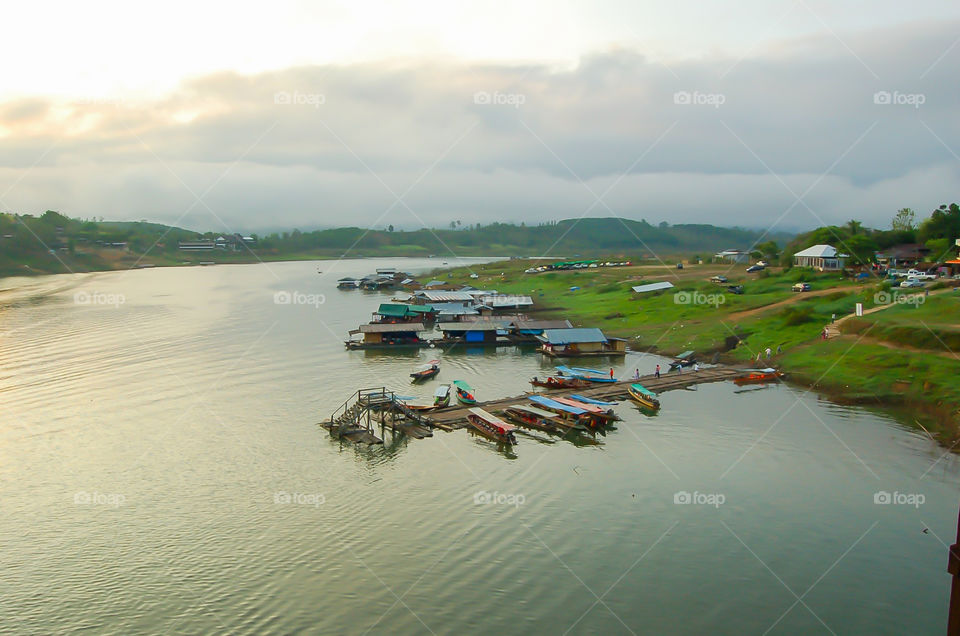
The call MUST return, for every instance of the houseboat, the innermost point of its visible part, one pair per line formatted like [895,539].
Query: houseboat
[387,336]
[348,283]
[576,342]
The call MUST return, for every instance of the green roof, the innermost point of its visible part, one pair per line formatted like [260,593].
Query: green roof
[420,309]
[394,310]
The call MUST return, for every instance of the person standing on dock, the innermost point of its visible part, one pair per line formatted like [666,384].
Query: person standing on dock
[696,367]
[611,373]
[636,374]
[656,373]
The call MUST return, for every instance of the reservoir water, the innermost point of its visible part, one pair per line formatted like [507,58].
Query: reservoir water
[162,471]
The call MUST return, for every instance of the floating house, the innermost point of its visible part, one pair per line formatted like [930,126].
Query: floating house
[581,341]
[471,332]
[348,283]
[451,312]
[378,282]
[426,296]
[391,312]
[528,330]
[824,258]
[387,336]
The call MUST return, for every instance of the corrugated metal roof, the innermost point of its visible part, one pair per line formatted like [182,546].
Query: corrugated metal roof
[444,296]
[821,251]
[541,324]
[503,300]
[650,287]
[392,327]
[469,326]
[575,335]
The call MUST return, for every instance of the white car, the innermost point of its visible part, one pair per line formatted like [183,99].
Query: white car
[912,282]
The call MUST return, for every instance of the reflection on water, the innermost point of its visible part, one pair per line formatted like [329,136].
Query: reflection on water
[197,400]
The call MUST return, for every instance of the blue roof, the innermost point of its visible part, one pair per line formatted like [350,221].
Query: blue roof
[556,405]
[574,335]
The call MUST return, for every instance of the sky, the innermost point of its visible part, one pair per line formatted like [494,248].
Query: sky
[768,114]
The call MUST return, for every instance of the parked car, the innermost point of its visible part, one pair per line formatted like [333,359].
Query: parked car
[916,273]
[679,265]
[718,279]
[801,287]
[912,282]
[736,289]
[755,268]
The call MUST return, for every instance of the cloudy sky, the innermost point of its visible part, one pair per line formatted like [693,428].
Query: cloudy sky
[218,116]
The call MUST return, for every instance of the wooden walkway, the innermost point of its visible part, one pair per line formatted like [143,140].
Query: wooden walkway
[455,417]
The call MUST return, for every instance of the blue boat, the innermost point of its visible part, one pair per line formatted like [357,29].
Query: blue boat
[569,416]
[586,400]
[591,375]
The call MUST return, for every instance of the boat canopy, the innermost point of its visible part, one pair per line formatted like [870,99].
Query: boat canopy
[586,400]
[553,404]
[684,355]
[493,420]
[569,371]
[460,384]
[587,371]
[442,391]
[532,410]
[639,388]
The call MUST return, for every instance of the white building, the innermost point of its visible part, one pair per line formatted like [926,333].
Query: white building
[825,258]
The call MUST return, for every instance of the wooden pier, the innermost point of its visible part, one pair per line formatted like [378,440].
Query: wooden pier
[456,416]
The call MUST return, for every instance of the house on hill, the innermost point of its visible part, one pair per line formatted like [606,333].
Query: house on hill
[905,255]
[824,258]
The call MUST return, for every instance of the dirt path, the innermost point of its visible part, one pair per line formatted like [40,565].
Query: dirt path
[789,301]
[898,347]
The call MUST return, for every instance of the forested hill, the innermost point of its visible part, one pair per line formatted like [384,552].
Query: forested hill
[53,243]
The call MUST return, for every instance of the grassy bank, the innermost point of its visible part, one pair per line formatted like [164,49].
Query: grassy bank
[900,356]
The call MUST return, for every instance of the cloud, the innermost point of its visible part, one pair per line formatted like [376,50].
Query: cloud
[865,124]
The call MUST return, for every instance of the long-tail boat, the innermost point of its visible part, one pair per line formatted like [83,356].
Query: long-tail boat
[464,392]
[441,398]
[428,370]
[758,376]
[645,397]
[491,426]
[532,417]
[554,382]
[572,416]
[591,375]
[586,400]
[597,412]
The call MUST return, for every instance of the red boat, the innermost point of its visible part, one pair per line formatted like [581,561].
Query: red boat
[535,418]
[759,376]
[553,382]
[491,426]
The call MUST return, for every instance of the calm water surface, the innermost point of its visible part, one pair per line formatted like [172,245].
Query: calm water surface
[149,440]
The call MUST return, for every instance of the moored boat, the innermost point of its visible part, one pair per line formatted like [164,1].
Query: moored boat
[597,412]
[590,375]
[464,392]
[644,396]
[532,417]
[553,382]
[441,397]
[570,416]
[685,359]
[428,370]
[491,426]
[586,400]
[758,376]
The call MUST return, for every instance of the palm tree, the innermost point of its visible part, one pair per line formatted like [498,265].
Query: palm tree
[854,227]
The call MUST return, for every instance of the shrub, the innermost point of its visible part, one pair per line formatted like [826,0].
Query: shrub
[794,316]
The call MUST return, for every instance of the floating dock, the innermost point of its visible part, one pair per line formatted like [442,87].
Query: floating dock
[456,416]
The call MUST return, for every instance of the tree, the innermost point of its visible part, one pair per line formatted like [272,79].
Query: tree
[770,250]
[854,227]
[390,228]
[453,225]
[943,223]
[862,248]
[904,221]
